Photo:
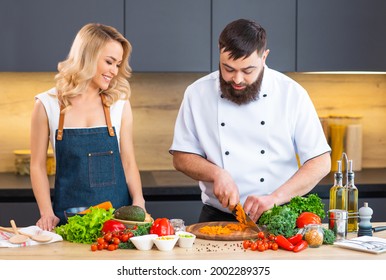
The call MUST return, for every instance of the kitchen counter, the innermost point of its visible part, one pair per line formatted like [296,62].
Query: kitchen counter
[180,193]
[167,184]
[201,250]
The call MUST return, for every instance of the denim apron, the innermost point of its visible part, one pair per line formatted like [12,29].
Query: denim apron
[88,167]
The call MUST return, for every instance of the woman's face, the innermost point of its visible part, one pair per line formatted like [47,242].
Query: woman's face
[107,65]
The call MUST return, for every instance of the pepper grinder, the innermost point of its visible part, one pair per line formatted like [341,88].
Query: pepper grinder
[365,214]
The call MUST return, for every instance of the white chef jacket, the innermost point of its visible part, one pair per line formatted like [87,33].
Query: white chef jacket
[257,142]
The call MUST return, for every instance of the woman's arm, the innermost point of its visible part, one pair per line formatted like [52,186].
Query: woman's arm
[38,171]
[130,168]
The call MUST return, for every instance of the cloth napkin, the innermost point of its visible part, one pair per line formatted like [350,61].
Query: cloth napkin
[4,236]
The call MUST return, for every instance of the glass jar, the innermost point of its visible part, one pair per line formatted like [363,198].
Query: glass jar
[178,224]
[314,235]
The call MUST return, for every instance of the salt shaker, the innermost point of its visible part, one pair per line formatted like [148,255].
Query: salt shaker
[338,223]
[365,227]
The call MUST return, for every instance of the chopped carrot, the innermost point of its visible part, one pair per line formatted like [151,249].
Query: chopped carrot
[222,230]
[104,205]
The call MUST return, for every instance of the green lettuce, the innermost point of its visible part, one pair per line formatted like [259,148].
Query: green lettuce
[85,229]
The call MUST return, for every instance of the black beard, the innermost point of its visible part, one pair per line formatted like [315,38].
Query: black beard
[249,94]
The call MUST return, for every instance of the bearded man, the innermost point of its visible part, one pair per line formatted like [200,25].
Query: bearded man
[248,133]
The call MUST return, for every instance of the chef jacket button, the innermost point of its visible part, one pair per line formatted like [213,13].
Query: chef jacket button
[264,95]
[226,153]
[262,122]
[261,179]
[262,152]
[222,95]
[222,124]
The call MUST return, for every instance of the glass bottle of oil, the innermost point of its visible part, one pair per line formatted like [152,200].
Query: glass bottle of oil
[338,193]
[352,200]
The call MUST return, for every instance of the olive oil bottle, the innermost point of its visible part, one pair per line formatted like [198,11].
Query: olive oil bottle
[352,200]
[338,193]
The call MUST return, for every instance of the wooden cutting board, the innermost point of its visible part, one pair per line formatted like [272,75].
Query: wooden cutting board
[235,236]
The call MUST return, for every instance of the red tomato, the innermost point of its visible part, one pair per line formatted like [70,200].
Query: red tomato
[274,246]
[124,237]
[111,247]
[261,235]
[94,247]
[247,244]
[115,241]
[307,218]
[254,246]
[108,236]
[261,247]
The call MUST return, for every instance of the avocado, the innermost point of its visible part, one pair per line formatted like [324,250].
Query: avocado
[130,213]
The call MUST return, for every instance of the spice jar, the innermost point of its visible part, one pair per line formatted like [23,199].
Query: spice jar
[314,235]
[178,224]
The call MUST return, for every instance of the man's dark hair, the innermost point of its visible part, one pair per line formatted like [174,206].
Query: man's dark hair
[242,37]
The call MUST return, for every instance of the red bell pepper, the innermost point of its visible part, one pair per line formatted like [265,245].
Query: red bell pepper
[161,227]
[112,226]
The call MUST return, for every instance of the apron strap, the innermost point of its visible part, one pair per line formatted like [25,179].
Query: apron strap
[59,136]
[106,110]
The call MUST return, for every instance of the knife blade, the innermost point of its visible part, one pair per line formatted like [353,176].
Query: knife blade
[243,218]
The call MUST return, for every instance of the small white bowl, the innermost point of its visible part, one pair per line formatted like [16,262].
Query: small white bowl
[143,242]
[186,239]
[166,243]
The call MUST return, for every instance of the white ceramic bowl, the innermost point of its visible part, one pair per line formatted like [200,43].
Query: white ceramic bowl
[144,242]
[166,243]
[186,239]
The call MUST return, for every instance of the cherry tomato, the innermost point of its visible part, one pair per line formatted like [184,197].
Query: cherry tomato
[274,246]
[111,247]
[261,235]
[124,237]
[247,244]
[100,247]
[272,237]
[108,236]
[115,241]
[100,240]
[254,246]
[261,247]
[94,247]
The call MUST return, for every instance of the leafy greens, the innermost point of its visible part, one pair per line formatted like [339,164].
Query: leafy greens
[85,229]
[281,220]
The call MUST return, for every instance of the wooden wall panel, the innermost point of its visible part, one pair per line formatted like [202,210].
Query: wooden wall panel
[156,98]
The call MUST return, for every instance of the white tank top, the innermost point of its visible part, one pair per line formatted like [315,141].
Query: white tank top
[50,102]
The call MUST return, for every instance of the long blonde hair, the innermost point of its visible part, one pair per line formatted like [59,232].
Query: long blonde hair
[77,71]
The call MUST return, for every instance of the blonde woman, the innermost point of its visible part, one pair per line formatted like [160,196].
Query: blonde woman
[88,119]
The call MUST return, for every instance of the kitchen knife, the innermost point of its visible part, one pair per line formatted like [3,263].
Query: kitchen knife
[243,218]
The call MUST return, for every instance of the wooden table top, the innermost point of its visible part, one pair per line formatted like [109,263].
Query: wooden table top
[201,250]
